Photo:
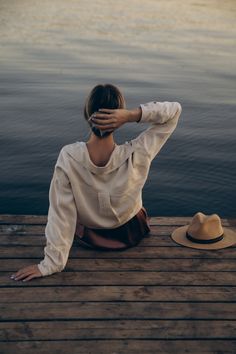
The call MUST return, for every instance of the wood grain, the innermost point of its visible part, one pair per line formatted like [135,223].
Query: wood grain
[121,346]
[157,297]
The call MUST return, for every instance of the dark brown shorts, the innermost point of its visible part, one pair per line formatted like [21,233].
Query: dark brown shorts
[124,236]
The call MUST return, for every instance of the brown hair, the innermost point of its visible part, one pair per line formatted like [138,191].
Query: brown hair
[103,96]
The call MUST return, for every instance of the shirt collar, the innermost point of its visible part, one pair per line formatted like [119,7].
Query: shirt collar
[79,152]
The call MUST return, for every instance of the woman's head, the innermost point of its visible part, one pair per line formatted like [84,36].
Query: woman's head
[103,96]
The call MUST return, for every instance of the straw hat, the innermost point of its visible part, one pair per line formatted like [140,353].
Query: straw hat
[204,232]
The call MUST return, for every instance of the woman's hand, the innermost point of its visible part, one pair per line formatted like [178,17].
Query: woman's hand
[112,119]
[27,273]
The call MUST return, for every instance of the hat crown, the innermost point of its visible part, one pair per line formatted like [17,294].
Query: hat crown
[205,227]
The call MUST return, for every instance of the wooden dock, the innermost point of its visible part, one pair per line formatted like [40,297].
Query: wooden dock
[158,297]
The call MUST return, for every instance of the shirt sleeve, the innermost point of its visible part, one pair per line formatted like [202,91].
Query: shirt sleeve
[163,117]
[61,224]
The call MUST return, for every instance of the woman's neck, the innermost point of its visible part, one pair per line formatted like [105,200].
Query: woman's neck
[100,149]
[105,143]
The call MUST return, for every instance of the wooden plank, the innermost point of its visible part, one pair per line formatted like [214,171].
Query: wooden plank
[35,230]
[118,329]
[40,240]
[119,293]
[159,265]
[22,240]
[22,219]
[126,278]
[42,219]
[183,220]
[187,265]
[12,229]
[153,252]
[155,238]
[117,310]
[154,220]
[126,346]
[31,230]
[133,252]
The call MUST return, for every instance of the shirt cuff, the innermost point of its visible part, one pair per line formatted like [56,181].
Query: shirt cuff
[44,270]
[144,110]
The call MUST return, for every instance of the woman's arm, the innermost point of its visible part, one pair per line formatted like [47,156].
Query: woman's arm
[61,224]
[60,228]
[163,117]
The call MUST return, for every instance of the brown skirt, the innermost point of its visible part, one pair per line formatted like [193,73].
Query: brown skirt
[124,236]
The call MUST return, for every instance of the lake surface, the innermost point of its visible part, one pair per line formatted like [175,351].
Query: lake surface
[54,52]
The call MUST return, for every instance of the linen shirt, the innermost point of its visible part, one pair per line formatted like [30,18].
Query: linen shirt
[102,196]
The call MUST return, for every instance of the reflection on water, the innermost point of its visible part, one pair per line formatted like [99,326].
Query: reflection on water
[54,52]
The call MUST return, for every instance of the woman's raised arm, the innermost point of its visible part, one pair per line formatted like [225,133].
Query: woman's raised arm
[163,118]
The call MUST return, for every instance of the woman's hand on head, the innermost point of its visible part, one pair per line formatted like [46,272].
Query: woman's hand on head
[27,273]
[110,119]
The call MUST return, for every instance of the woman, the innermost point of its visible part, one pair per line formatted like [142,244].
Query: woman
[96,190]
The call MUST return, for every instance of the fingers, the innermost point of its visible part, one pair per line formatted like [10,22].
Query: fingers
[30,277]
[26,273]
[107,110]
[103,121]
[21,272]
[104,124]
[103,116]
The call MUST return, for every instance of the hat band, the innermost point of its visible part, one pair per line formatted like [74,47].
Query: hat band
[196,240]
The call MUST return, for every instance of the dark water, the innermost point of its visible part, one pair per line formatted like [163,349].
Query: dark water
[44,81]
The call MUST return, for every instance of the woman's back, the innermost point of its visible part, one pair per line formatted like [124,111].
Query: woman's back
[108,196]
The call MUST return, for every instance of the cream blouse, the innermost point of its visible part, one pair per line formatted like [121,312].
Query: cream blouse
[102,196]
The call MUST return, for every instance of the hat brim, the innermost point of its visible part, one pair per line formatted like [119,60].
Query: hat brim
[179,236]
